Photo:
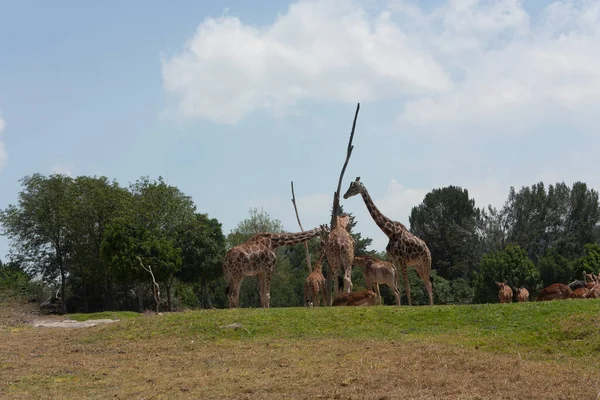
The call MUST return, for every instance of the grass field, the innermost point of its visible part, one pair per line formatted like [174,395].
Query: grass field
[546,350]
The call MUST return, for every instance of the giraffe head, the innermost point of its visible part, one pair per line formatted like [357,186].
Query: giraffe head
[355,188]
[343,221]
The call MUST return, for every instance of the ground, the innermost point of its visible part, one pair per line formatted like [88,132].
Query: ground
[383,352]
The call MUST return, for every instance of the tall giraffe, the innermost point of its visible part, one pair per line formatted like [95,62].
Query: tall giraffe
[339,249]
[315,283]
[404,248]
[256,257]
[376,272]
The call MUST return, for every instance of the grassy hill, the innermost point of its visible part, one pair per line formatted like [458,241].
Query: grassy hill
[529,350]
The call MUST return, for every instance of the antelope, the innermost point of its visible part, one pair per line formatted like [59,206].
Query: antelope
[581,293]
[376,272]
[505,293]
[556,291]
[522,294]
[362,298]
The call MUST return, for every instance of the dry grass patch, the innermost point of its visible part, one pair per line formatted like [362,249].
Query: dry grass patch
[56,363]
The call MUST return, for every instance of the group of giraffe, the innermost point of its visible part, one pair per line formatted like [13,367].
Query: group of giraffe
[256,256]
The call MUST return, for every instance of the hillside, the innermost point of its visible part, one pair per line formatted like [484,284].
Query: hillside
[524,350]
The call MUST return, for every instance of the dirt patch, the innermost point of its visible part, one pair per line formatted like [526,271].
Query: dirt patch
[67,323]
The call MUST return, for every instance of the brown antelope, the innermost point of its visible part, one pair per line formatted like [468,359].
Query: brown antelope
[590,280]
[556,291]
[362,298]
[505,293]
[375,272]
[594,292]
[581,293]
[522,294]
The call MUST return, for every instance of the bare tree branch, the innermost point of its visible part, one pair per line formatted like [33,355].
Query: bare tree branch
[302,229]
[155,287]
[336,196]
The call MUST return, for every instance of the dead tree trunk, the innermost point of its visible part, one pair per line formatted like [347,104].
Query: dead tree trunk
[302,229]
[155,287]
[336,198]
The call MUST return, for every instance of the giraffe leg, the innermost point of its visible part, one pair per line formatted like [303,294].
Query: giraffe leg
[234,291]
[406,283]
[396,290]
[266,288]
[424,274]
[348,279]
[336,286]
[380,300]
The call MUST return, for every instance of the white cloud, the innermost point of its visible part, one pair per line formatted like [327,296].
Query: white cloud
[331,50]
[466,61]
[515,73]
[3,153]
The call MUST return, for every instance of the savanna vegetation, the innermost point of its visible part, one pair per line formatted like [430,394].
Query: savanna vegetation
[88,240]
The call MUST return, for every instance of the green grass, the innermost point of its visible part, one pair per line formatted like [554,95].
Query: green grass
[569,328]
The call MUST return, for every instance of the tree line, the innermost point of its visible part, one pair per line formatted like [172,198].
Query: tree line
[88,238]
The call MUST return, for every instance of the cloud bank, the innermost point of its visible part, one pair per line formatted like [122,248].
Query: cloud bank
[462,62]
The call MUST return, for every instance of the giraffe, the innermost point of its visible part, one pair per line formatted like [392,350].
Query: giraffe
[404,248]
[315,283]
[256,257]
[339,249]
[376,271]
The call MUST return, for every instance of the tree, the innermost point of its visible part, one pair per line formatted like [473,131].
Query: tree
[492,230]
[589,262]
[38,227]
[149,231]
[203,246]
[15,282]
[511,265]
[561,218]
[447,220]
[96,202]
[555,268]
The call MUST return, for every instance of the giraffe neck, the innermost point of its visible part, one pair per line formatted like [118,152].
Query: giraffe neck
[318,264]
[289,239]
[383,222]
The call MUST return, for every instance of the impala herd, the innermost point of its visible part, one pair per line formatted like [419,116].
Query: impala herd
[589,288]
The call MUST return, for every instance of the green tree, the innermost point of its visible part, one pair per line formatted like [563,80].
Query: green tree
[589,262]
[560,218]
[555,268]
[511,265]
[96,202]
[15,282]
[447,220]
[38,227]
[203,246]
[149,231]
[492,230]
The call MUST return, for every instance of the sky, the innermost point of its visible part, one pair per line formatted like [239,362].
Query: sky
[230,101]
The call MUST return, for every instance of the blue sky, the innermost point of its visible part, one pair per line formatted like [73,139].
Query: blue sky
[230,102]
